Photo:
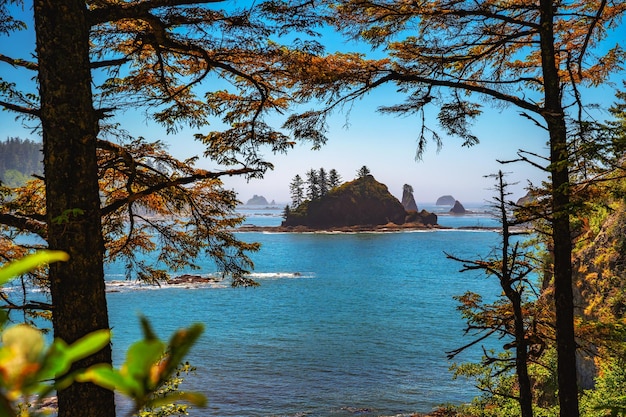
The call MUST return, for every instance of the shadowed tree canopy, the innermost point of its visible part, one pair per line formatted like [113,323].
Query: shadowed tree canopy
[105,195]
[539,57]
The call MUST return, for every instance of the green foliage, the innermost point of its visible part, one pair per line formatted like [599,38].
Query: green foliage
[169,388]
[150,375]
[609,396]
[318,184]
[19,160]
[28,368]
[296,191]
[363,201]
[67,215]
[149,365]
[29,263]
[13,178]
[497,383]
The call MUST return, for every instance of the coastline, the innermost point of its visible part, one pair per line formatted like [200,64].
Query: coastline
[389,227]
[384,228]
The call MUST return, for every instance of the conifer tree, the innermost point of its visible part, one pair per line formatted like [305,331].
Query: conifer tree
[322,179]
[313,186]
[363,172]
[334,179]
[296,190]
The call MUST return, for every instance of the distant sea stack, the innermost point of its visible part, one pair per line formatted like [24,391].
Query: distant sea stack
[362,202]
[458,208]
[446,200]
[408,201]
[257,200]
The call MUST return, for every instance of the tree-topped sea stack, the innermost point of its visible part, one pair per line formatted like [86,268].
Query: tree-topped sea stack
[361,202]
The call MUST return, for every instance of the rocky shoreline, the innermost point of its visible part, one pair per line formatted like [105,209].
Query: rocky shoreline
[390,227]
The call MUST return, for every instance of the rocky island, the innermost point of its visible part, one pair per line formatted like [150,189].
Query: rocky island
[257,200]
[445,200]
[363,204]
[458,208]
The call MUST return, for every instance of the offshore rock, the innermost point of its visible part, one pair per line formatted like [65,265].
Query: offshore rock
[190,279]
[445,200]
[458,208]
[424,217]
[257,200]
[408,201]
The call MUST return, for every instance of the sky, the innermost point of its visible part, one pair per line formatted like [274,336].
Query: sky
[386,144]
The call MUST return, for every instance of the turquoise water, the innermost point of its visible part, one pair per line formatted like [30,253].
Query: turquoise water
[342,324]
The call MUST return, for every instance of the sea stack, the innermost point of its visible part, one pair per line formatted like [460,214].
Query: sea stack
[458,208]
[408,201]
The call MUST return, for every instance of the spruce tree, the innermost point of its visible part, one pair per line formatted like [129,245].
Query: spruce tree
[296,190]
[363,172]
[334,179]
[313,186]
[322,180]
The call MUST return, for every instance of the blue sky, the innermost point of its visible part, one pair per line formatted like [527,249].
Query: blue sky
[386,144]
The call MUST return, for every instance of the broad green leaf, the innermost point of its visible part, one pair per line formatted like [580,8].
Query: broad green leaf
[56,362]
[141,357]
[148,333]
[107,377]
[180,343]
[61,356]
[89,344]
[30,262]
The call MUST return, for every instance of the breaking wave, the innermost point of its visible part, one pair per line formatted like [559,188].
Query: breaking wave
[116,283]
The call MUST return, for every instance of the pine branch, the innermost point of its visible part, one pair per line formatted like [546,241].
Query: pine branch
[32,224]
[16,62]
[20,109]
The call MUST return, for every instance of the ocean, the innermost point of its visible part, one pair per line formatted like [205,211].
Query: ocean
[341,325]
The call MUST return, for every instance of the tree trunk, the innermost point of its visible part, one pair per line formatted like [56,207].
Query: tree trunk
[561,237]
[506,282]
[70,127]
[521,361]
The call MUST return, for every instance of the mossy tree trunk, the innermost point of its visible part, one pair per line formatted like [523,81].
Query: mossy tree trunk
[70,126]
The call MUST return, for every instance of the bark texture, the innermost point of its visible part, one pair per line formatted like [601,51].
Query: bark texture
[70,128]
[561,236]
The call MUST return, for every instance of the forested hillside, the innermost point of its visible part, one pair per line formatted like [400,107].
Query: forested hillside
[19,160]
